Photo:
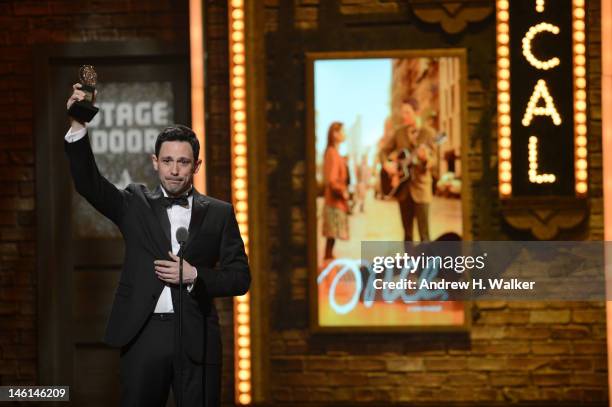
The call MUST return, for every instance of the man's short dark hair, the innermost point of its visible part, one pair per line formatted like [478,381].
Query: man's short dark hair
[178,132]
[412,102]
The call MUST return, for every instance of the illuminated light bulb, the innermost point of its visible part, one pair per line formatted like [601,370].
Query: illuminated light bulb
[580,118]
[580,71]
[239,59]
[239,184]
[240,149]
[580,83]
[242,319]
[238,48]
[243,299]
[504,108]
[244,364]
[243,308]
[541,92]
[503,4]
[238,25]
[579,13]
[579,49]
[243,330]
[503,84]
[581,164]
[238,81]
[505,142]
[503,38]
[505,166]
[242,217]
[505,176]
[503,50]
[238,70]
[528,38]
[240,138]
[582,131]
[503,97]
[244,387]
[239,93]
[505,131]
[580,95]
[578,3]
[504,73]
[580,60]
[237,36]
[244,353]
[503,15]
[244,399]
[237,3]
[503,28]
[240,172]
[239,127]
[239,116]
[244,374]
[581,187]
[503,63]
[505,189]
[579,36]
[240,161]
[505,153]
[581,152]
[540,6]
[244,342]
[504,119]
[579,25]
[241,207]
[238,104]
[241,195]
[237,14]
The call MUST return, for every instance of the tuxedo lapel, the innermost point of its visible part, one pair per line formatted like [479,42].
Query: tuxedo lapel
[198,213]
[163,225]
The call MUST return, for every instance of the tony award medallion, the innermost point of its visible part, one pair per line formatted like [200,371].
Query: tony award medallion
[84,110]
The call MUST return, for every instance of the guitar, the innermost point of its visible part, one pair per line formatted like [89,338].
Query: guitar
[405,161]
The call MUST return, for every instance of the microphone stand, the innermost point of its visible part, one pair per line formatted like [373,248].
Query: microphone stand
[180,312]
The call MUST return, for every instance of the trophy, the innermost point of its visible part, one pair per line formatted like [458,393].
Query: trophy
[84,110]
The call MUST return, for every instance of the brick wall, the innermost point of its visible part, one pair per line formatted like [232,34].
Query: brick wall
[515,351]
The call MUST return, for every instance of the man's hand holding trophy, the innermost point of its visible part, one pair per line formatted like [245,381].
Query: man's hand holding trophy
[80,104]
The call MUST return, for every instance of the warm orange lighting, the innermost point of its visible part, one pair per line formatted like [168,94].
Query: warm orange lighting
[239,119]
[196,50]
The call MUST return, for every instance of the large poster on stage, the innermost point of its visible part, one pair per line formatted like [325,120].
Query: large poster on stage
[387,159]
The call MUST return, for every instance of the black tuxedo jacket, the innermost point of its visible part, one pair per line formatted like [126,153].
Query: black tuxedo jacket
[214,247]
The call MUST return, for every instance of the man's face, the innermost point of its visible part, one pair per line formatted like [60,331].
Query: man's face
[408,114]
[175,166]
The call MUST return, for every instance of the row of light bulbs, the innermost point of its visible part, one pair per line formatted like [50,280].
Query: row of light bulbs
[242,332]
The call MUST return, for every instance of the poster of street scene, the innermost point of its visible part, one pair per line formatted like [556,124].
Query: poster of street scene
[386,164]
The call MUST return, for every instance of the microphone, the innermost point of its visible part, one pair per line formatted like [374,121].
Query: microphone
[181,237]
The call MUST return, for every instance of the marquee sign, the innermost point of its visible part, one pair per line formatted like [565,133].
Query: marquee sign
[541,82]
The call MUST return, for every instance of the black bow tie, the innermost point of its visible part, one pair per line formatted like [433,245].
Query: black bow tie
[167,201]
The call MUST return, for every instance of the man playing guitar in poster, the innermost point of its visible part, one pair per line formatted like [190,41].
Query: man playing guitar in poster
[407,162]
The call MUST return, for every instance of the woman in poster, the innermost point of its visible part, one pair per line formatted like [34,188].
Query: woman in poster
[335,210]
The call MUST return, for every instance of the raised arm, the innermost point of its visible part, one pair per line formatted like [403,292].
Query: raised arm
[88,181]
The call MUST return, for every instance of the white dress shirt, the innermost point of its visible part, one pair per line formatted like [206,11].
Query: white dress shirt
[178,217]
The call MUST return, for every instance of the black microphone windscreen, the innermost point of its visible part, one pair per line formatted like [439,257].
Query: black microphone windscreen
[181,235]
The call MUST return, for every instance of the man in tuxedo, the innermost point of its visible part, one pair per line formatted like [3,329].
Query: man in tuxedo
[142,321]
